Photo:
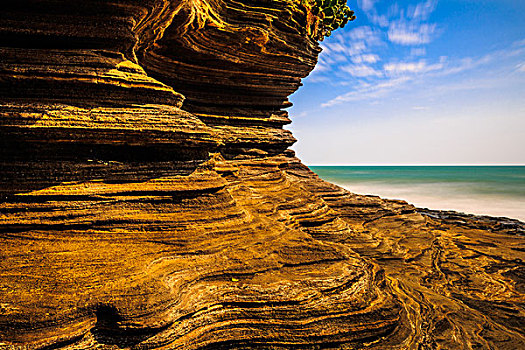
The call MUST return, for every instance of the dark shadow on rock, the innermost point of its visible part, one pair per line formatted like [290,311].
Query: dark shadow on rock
[108,330]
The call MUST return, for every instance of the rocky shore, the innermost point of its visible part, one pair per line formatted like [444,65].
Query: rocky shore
[483,222]
[149,199]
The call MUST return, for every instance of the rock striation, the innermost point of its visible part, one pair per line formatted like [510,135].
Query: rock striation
[149,199]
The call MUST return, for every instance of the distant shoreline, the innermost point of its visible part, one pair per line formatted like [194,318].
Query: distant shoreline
[417,165]
[495,190]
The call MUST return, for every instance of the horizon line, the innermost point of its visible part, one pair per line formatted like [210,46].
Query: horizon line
[430,164]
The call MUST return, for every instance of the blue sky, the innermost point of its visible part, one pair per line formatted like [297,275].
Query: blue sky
[417,82]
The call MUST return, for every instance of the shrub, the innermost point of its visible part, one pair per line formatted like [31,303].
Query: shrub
[330,15]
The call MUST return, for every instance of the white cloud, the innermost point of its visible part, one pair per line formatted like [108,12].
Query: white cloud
[407,26]
[320,66]
[469,63]
[404,33]
[399,68]
[366,5]
[394,75]
[417,13]
[368,91]
[361,70]
[380,20]
[346,48]
[352,42]
[356,48]
[331,47]
[404,67]
[394,10]
[383,70]
[366,34]
[366,58]
[418,51]
[422,10]
[350,46]
[355,58]
[519,43]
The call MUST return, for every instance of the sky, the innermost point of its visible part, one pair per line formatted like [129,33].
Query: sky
[417,82]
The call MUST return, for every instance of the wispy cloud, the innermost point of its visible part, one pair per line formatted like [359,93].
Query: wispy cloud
[361,70]
[415,13]
[366,91]
[404,67]
[355,51]
[418,62]
[418,51]
[406,33]
[373,61]
[519,43]
[355,48]
[406,26]
[367,5]
[395,75]
[421,66]
[423,10]
[366,58]
[470,63]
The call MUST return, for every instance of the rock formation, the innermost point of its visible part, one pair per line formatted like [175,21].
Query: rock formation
[149,199]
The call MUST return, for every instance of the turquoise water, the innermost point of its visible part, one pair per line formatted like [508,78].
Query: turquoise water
[488,190]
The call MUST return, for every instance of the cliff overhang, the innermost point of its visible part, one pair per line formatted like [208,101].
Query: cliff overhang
[149,198]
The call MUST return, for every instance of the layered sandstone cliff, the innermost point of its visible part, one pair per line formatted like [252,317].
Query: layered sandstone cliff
[149,199]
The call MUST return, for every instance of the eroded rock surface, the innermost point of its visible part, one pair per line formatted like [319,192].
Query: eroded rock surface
[149,200]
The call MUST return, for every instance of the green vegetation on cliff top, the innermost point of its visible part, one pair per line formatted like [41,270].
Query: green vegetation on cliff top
[333,14]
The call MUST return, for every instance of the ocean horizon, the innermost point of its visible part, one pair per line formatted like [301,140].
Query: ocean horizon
[494,190]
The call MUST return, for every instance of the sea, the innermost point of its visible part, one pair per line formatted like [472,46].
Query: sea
[482,190]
